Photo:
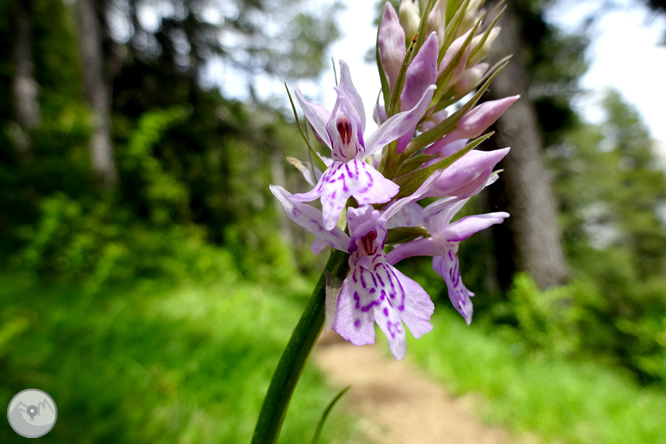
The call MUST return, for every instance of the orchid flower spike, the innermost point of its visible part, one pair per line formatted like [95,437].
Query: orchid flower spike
[342,130]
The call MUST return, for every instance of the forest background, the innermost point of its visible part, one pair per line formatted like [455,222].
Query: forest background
[149,281]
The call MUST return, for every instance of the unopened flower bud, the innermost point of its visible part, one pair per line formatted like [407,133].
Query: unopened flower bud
[481,48]
[469,175]
[379,114]
[437,20]
[451,53]
[391,43]
[471,15]
[475,122]
[410,17]
[469,79]
[433,120]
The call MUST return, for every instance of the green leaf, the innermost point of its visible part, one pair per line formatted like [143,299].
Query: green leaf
[324,415]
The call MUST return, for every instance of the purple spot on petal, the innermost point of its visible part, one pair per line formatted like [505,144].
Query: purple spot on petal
[386,311]
[357,323]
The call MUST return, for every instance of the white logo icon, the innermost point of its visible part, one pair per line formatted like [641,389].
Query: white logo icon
[32,413]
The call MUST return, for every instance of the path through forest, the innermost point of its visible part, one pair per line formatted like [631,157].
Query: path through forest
[398,403]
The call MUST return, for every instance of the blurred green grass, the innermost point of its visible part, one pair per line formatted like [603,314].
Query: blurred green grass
[157,362]
[552,398]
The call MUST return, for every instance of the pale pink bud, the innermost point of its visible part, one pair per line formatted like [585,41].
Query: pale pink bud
[475,122]
[469,79]
[451,52]
[479,118]
[391,44]
[433,120]
[480,51]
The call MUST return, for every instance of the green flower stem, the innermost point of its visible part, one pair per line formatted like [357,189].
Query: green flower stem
[295,355]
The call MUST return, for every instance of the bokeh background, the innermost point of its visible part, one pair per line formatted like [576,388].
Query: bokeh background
[149,281]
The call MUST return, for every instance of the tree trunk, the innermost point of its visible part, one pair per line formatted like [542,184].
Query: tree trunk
[530,241]
[24,86]
[97,92]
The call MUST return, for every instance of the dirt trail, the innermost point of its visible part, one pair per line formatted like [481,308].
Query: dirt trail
[397,403]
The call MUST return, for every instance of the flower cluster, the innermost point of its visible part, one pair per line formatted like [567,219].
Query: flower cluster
[430,57]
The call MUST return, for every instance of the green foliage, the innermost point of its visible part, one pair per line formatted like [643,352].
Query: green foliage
[154,362]
[610,190]
[556,400]
[93,243]
[546,321]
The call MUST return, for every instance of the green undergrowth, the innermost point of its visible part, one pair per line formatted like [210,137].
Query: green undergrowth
[157,362]
[554,399]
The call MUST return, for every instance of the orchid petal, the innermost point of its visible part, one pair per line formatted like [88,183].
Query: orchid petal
[418,306]
[317,115]
[352,94]
[448,267]
[354,319]
[344,180]
[428,246]
[310,173]
[310,218]
[437,216]
[317,246]
[418,194]
[399,124]
[411,215]
[363,220]
[467,226]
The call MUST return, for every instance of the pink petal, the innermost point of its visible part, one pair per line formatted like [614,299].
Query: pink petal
[399,124]
[317,115]
[467,226]
[310,218]
[344,180]
[352,94]
[447,266]
[418,306]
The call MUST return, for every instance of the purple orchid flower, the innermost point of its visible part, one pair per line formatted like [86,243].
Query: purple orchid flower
[443,246]
[374,291]
[342,131]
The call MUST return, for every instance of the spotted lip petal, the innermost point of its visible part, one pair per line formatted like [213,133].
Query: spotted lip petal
[374,291]
[344,180]
[380,293]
